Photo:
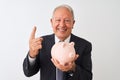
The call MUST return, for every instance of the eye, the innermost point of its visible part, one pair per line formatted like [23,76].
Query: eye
[67,21]
[57,20]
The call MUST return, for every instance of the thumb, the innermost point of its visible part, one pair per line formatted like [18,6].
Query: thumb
[76,56]
[32,36]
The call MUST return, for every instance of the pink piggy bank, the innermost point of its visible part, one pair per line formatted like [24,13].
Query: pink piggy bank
[63,52]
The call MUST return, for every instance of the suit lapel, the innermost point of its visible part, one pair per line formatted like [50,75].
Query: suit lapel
[49,42]
[73,39]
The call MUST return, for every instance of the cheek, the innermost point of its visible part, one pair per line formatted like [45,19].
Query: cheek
[69,30]
[69,27]
[54,25]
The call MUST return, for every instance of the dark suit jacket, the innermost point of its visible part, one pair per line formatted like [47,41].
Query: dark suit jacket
[48,70]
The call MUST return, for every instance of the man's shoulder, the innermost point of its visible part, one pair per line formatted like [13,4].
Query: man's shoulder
[48,36]
[78,39]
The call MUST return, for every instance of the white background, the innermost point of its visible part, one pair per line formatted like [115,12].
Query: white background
[96,20]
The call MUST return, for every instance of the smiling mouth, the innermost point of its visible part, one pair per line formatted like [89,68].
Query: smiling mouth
[62,29]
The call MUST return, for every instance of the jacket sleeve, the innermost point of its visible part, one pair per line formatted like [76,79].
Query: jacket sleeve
[28,69]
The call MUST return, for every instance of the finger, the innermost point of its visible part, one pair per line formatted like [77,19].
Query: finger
[39,39]
[55,61]
[36,47]
[52,60]
[32,36]
[76,57]
[36,41]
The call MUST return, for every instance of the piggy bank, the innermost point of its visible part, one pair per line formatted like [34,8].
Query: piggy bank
[63,52]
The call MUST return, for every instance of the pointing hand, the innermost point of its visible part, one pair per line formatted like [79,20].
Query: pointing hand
[35,44]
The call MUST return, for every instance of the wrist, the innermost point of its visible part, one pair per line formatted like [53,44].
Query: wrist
[32,54]
[71,72]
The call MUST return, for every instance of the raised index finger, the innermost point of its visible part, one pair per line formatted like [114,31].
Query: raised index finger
[32,36]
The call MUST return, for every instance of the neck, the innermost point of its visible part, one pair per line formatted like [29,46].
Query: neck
[67,39]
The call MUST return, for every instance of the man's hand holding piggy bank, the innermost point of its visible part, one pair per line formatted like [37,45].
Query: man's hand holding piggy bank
[63,56]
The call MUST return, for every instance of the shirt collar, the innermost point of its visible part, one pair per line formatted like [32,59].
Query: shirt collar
[66,40]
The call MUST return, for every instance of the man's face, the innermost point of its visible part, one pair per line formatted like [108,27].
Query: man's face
[62,23]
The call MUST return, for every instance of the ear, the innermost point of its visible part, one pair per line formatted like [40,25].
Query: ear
[51,21]
[73,23]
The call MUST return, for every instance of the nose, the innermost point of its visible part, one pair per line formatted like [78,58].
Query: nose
[62,23]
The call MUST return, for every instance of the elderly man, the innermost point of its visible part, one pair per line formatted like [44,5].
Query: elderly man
[39,56]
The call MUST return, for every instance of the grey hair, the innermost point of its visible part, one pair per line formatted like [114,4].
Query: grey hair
[65,6]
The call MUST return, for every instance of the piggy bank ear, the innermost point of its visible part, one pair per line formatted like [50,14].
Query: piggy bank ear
[72,43]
